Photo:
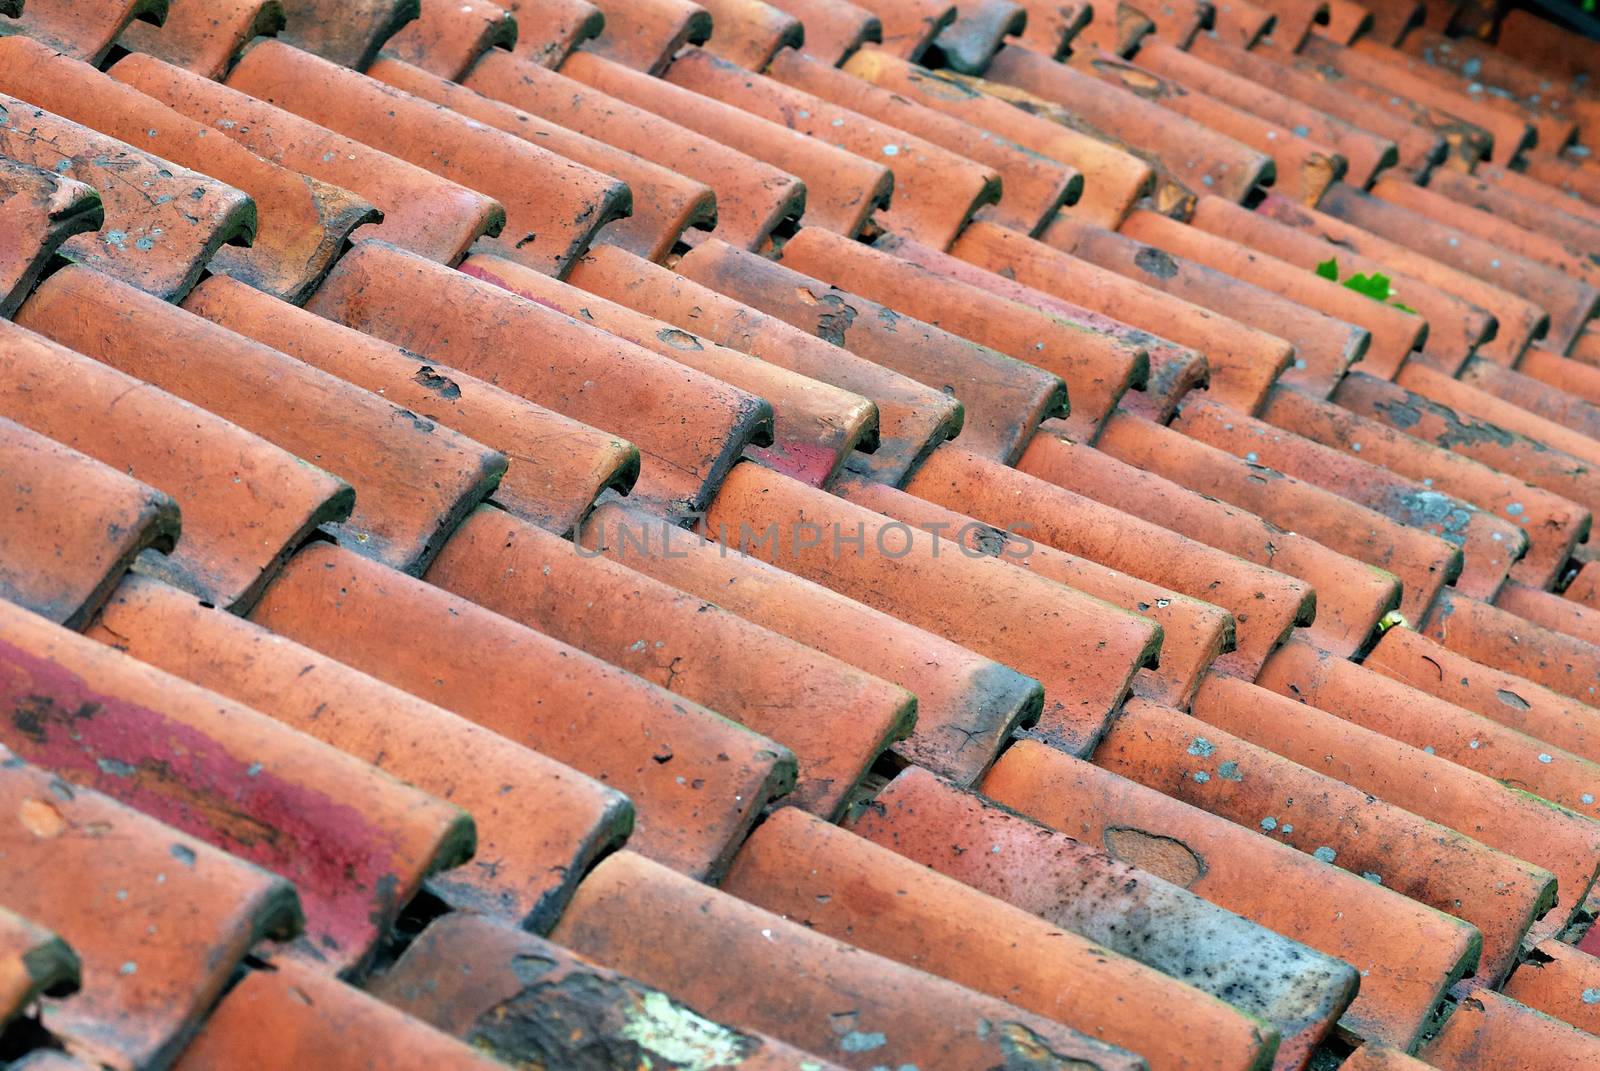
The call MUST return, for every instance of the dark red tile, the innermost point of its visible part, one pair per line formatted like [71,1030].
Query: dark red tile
[39,210]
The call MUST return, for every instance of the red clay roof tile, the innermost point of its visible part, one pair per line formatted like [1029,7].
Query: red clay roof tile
[557,465]
[1239,23]
[39,210]
[447,39]
[1507,642]
[803,987]
[910,26]
[1115,27]
[1553,978]
[549,29]
[82,29]
[520,998]
[644,34]
[422,212]
[346,32]
[540,824]
[834,29]
[74,526]
[34,963]
[696,779]
[356,842]
[689,426]
[159,919]
[751,32]
[1487,1030]
[204,36]
[246,504]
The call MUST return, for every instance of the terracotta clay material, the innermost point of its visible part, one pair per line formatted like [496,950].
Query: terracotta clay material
[969,43]
[302,223]
[1206,160]
[1324,347]
[912,418]
[692,806]
[356,843]
[1082,526]
[544,229]
[815,426]
[1003,399]
[82,29]
[520,998]
[751,32]
[1553,978]
[1527,201]
[1249,784]
[783,979]
[1051,28]
[834,29]
[1241,23]
[204,36]
[422,212]
[39,210]
[1488,544]
[157,245]
[1082,888]
[282,1016]
[1116,28]
[835,883]
[557,466]
[910,26]
[665,202]
[967,705]
[1507,642]
[1584,588]
[1498,209]
[539,822]
[1033,186]
[1295,19]
[1358,921]
[1193,633]
[646,34]
[111,882]
[1545,400]
[1243,362]
[34,963]
[936,191]
[1554,527]
[1394,332]
[752,197]
[1095,373]
[1092,648]
[74,526]
[1352,597]
[1526,37]
[678,642]
[246,504]
[547,30]
[447,39]
[842,189]
[1113,179]
[582,372]
[1488,1030]
[346,32]
[1179,20]
[1372,1056]
[1578,179]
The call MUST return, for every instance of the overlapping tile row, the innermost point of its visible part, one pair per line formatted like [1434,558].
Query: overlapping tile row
[800,535]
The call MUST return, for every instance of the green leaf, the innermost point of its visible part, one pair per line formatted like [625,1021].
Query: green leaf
[1329,269]
[1374,286]
[1403,307]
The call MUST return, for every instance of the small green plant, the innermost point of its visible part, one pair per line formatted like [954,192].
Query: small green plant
[1375,286]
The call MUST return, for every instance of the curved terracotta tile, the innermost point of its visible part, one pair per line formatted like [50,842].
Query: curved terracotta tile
[1074,885]
[1193,633]
[204,36]
[1340,823]
[979,30]
[1113,179]
[815,427]
[557,466]
[1033,186]
[935,191]
[356,842]
[82,29]
[751,32]
[1584,587]
[346,32]
[1553,978]
[1238,22]
[803,987]
[1507,642]
[1409,955]
[1575,178]
[1536,41]
[39,210]
[422,212]
[1471,400]
[540,824]
[834,718]
[838,884]
[447,39]
[158,245]
[689,427]
[697,781]
[753,197]
[34,963]
[1554,403]
[159,919]
[967,705]
[912,418]
[1489,544]
[910,26]
[644,34]
[283,1016]
[522,999]
[74,526]
[842,189]
[1115,26]
[1525,201]
[553,205]
[665,202]
[1082,650]
[1003,399]
[1488,1030]
[1372,1056]
[1080,525]
[246,503]
[549,29]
